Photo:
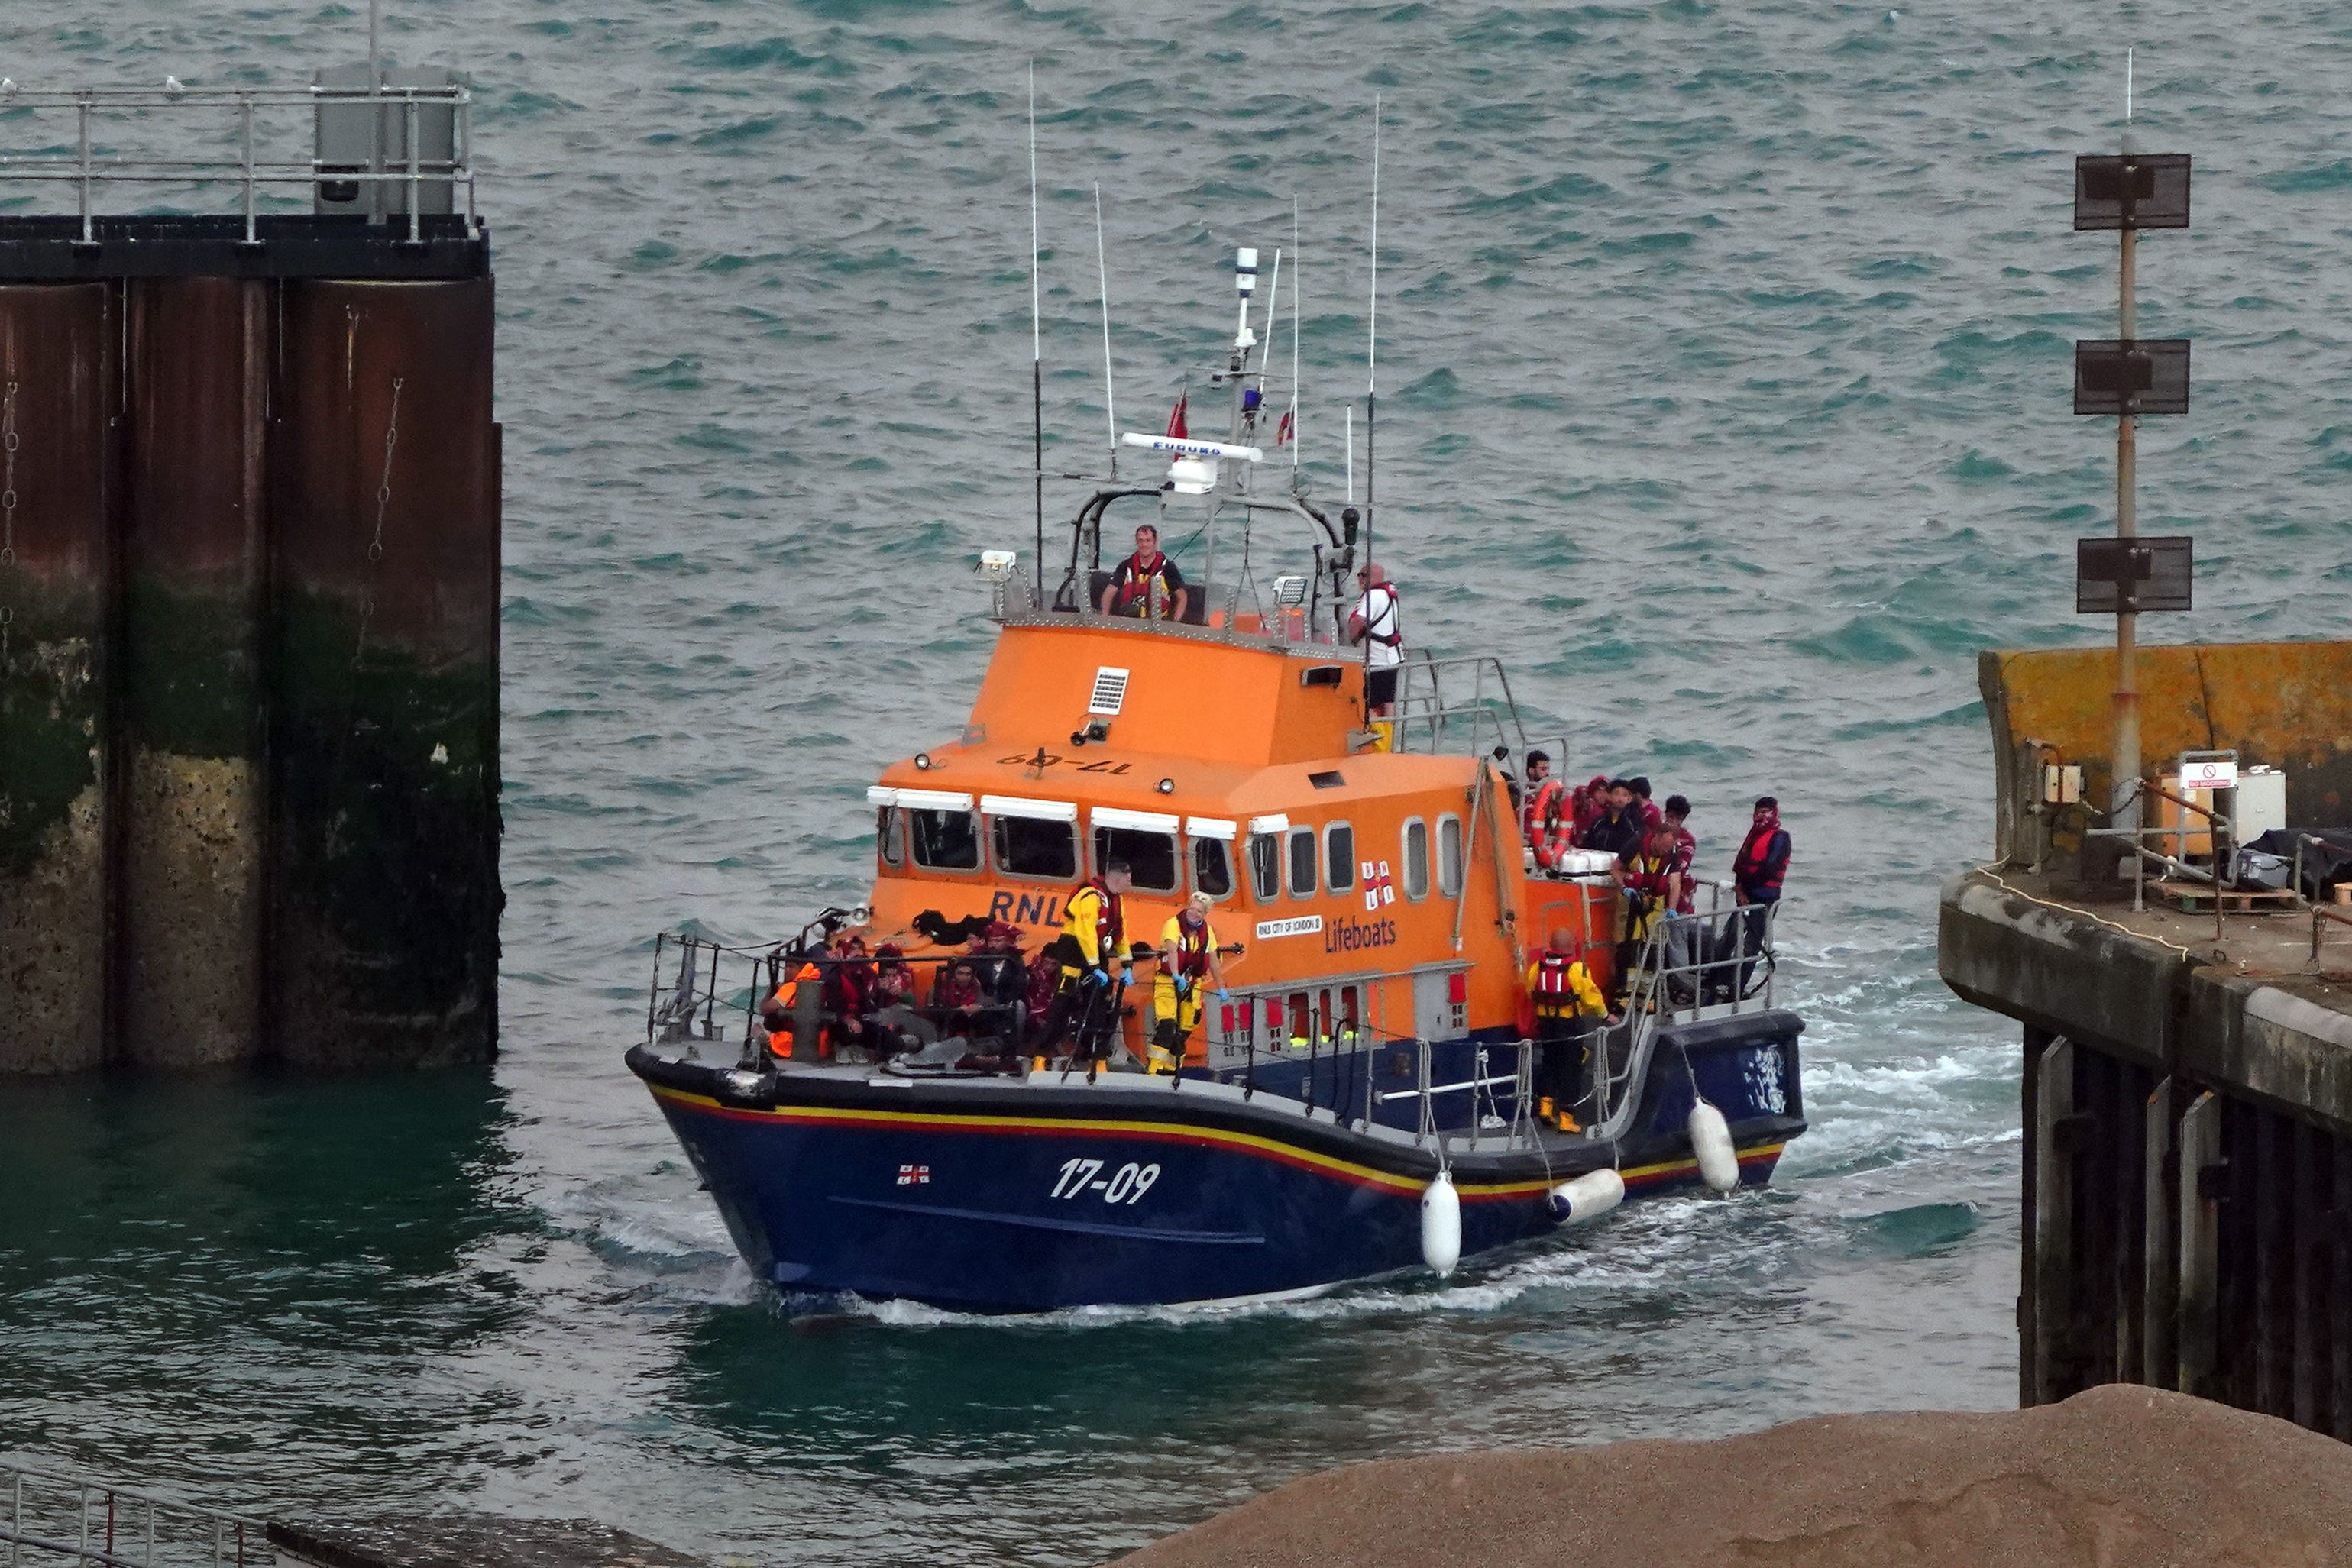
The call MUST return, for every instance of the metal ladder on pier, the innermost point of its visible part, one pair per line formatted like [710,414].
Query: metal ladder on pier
[57,1517]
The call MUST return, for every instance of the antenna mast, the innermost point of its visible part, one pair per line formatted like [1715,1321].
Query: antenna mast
[1102,273]
[1036,356]
[1372,341]
[1298,266]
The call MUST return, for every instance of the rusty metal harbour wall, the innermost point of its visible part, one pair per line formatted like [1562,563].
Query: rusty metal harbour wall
[249,656]
[385,893]
[60,364]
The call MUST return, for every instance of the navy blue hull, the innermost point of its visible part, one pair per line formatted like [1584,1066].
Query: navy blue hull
[1001,1196]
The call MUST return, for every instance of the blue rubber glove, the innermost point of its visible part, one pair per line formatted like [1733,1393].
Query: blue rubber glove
[1183,985]
[1096,977]
[1224,998]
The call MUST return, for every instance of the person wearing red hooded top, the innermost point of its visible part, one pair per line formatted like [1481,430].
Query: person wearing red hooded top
[1756,872]
[1587,806]
[849,994]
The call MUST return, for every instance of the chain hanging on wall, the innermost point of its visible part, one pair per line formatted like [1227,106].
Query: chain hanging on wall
[382,502]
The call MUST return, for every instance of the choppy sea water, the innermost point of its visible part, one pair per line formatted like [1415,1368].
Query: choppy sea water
[1724,360]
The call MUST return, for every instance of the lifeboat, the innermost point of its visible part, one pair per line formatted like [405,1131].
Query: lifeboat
[943,1095]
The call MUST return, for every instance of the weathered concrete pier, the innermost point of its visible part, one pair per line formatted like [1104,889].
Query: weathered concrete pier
[249,569]
[2188,1077]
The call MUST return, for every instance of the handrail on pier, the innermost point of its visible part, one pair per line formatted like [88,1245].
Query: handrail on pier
[86,168]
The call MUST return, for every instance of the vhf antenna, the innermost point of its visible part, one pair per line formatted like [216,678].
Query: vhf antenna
[1371,382]
[1298,269]
[1102,272]
[1036,355]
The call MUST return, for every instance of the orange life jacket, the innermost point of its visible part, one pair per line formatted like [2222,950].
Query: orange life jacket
[780,1040]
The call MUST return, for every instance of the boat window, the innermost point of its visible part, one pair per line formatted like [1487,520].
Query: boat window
[1340,856]
[1026,846]
[1266,866]
[1449,855]
[944,841]
[1150,856]
[1416,858]
[885,835]
[1302,863]
[1212,868]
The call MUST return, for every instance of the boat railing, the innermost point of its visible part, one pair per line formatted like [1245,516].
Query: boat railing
[682,1007]
[1342,1069]
[1462,704]
[57,1516]
[1687,968]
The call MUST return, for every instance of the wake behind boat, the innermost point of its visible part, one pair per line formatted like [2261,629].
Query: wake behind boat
[1356,1047]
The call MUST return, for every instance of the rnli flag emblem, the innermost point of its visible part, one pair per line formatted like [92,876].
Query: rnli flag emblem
[914,1176]
[1377,888]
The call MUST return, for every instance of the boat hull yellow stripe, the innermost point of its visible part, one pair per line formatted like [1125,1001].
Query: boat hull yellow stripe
[1160,1132]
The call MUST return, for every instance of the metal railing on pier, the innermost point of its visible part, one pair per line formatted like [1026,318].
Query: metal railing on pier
[107,121]
[55,1516]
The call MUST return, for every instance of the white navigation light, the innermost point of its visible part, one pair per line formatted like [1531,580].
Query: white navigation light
[995,565]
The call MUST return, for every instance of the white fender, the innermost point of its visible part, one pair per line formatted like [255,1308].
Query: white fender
[1710,1136]
[1441,1225]
[1589,1196]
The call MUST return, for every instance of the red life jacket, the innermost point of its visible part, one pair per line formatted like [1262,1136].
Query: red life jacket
[1394,610]
[1747,870]
[1193,949]
[1110,921]
[1646,874]
[1135,587]
[1552,975]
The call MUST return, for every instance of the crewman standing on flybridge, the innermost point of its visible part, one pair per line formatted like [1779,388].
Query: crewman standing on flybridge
[1377,621]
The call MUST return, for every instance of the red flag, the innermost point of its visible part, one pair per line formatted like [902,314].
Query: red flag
[1176,430]
[1283,431]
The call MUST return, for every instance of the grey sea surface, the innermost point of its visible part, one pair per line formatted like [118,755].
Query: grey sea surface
[1723,364]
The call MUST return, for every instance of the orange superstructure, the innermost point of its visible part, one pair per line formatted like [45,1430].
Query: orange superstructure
[1371,891]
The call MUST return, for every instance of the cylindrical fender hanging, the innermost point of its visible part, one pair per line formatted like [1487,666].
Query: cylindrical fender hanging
[1710,1136]
[1589,1196]
[1441,1225]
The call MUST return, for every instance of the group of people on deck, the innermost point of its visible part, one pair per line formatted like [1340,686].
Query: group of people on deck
[990,1007]
[1655,852]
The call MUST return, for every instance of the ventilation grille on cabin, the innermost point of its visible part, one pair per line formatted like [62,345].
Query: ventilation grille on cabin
[1110,691]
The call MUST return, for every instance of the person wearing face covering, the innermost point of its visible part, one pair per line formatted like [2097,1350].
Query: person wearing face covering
[1757,874]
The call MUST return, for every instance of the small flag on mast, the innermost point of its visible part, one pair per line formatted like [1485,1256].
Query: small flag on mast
[1176,428]
[1283,433]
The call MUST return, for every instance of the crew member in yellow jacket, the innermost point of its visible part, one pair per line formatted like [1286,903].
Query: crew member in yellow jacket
[1566,1003]
[1189,972]
[1093,938]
